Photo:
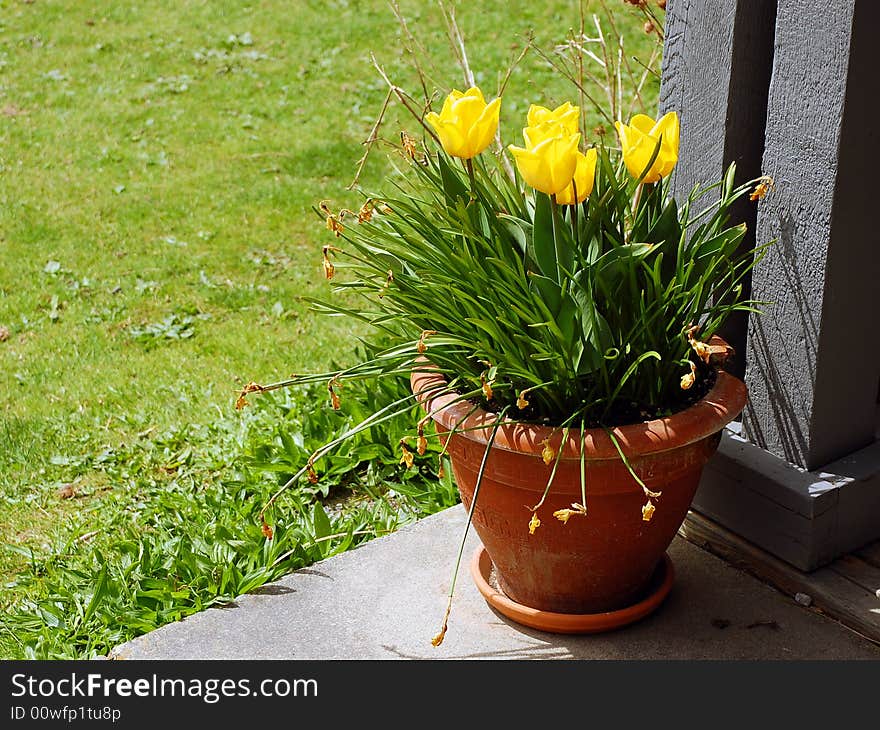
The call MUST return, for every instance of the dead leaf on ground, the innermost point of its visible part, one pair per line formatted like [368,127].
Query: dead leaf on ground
[4,334]
[66,492]
[770,624]
[11,110]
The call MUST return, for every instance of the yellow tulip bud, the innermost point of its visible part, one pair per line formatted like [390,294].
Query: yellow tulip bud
[584,177]
[566,115]
[640,138]
[548,165]
[543,123]
[466,125]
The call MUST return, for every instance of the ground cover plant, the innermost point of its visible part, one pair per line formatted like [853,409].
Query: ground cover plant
[158,167]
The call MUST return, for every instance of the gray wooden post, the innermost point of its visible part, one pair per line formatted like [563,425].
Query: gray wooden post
[789,88]
[716,70]
[814,365]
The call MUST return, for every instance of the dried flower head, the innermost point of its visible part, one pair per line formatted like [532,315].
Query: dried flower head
[388,280]
[701,348]
[648,511]
[329,269]
[241,401]
[422,442]
[438,639]
[266,529]
[547,453]
[334,222]
[334,396]
[716,353]
[408,142]
[687,380]
[521,401]
[365,214]
[534,523]
[406,456]
[564,515]
[421,347]
[764,186]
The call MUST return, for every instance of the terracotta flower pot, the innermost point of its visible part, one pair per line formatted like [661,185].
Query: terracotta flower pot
[602,561]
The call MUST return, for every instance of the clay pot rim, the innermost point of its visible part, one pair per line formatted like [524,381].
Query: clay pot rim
[723,403]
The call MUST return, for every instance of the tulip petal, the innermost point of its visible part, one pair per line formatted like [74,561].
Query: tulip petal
[587,171]
[532,168]
[482,133]
[643,123]
[565,114]
[466,111]
[638,148]
[536,115]
[668,128]
[566,197]
[568,115]
[584,179]
[538,133]
[447,107]
[451,138]
[475,93]
[563,161]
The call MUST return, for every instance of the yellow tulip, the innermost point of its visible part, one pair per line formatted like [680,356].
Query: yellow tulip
[548,166]
[550,158]
[466,125]
[566,114]
[584,177]
[640,138]
[543,123]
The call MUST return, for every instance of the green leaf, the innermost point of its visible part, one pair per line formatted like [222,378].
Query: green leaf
[729,178]
[543,248]
[615,266]
[722,245]
[597,336]
[453,187]
[518,229]
[549,291]
[320,522]
[666,228]
[99,593]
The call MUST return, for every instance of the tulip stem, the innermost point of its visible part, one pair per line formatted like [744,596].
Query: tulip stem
[469,165]
[637,199]
[554,208]
[574,216]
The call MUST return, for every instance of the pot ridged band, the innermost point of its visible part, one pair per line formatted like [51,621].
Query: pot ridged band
[724,402]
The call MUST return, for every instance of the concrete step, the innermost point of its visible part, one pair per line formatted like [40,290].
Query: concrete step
[385,600]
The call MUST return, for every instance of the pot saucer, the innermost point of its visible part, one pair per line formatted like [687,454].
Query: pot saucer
[571,623]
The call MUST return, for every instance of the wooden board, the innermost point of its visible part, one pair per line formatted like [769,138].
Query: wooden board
[870,554]
[841,590]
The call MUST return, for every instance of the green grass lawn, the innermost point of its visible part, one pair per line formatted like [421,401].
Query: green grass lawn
[159,163]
